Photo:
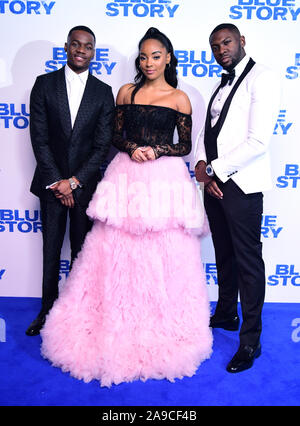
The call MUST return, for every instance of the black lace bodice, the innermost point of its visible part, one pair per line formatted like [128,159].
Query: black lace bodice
[152,125]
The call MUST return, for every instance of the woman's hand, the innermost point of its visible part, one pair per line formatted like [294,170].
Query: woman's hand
[149,153]
[143,154]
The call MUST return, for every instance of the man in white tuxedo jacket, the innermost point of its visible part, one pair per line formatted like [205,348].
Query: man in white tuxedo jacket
[233,162]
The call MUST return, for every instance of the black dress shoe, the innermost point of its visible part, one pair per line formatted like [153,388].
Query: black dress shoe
[231,324]
[36,326]
[244,358]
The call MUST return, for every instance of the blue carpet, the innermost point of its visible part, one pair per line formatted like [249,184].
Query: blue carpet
[26,379]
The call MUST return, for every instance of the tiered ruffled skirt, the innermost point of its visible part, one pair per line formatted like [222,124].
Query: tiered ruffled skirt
[135,305]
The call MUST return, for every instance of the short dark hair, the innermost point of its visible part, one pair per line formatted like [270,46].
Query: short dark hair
[225,26]
[82,28]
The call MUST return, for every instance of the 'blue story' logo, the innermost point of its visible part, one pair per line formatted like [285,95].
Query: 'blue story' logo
[264,10]
[191,170]
[26,7]
[64,269]
[284,275]
[290,178]
[210,270]
[197,63]
[292,72]
[100,65]
[142,8]
[269,227]
[17,221]
[281,126]
[13,115]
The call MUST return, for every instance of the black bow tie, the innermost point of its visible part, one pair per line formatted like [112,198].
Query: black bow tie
[227,78]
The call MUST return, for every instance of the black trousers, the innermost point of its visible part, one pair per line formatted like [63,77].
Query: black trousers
[54,221]
[235,223]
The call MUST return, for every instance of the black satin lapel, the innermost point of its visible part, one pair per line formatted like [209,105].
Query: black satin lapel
[211,148]
[63,103]
[228,101]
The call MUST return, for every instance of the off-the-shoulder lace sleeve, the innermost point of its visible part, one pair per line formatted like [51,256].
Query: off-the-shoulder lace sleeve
[184,145]
[119,140]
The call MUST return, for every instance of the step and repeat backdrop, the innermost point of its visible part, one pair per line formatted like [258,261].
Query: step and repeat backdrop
[33,34]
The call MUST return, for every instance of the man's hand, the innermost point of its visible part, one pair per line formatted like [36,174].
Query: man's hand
[68,200]
[210,185]
[212,189]
[62,190]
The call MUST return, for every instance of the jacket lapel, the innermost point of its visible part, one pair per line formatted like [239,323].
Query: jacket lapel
[85,105]
[226,106]
[63,103]
[211,133]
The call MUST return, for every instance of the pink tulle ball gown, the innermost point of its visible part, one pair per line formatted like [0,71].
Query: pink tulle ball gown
[135,304]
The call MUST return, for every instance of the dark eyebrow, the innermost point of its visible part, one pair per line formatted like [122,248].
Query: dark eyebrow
[78,41]
[222,41]
[153,53]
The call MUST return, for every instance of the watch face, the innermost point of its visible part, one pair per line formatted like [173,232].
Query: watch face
[72,184]
[209,170]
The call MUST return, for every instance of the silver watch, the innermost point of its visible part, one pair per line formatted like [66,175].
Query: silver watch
[73,184]
[209,170]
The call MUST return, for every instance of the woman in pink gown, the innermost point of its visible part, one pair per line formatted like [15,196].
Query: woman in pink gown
[135,304]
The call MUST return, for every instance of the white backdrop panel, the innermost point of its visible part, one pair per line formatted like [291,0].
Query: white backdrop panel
[34,34]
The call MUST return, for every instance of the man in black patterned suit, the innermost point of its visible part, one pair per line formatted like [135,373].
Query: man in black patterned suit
[71,114]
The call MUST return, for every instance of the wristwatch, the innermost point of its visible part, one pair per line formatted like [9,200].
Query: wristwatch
[209,170]
[73,184]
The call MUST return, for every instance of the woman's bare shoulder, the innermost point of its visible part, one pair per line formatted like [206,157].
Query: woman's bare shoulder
[124,94]
[183,103]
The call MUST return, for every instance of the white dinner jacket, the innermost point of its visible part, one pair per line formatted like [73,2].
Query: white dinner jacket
[244,138]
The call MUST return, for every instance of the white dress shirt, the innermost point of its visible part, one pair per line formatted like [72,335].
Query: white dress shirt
[75,87]
[224,92]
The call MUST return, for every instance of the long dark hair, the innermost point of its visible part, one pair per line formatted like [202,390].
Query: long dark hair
[170,70]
